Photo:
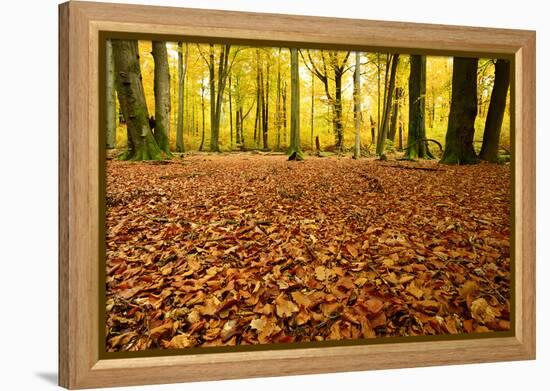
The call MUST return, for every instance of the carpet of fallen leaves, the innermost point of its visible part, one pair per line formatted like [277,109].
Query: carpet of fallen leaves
[252,249]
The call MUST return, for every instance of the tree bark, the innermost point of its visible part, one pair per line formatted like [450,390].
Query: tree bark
[141,142]
[182,70]
[110,139]
[383,129]
[417,146]
[357,105]
[162,96]
[396,107]
[295,151]
[460,130]
[495,115]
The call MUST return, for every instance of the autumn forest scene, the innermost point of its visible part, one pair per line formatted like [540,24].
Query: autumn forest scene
[271,195]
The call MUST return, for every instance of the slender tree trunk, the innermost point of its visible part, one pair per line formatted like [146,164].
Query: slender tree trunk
[312,106]
[162,96]
[338,113]
[278,108]
[110,139]
[265,114]
[396,106]
[230,116]
[203,118]
[383,130]
[460,130]
[285,113]
[295,151]
[141,142]
[417,146]
[495,115]
[357,105]
[182,70]
[372,131]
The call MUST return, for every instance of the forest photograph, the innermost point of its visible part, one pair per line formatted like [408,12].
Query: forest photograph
[274,195]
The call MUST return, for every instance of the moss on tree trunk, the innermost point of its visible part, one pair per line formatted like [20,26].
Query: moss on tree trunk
[141,143]
[162,96]
[417,146]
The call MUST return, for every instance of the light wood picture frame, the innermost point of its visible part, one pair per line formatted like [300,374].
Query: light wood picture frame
[81,364]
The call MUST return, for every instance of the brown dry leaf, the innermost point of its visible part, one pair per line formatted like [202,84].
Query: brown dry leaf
[352,250]
[415,291]
[157,332]
[181,341]
[258,324]
[301,299]
[285,308]
[321,273]
[482,311]
[469,288]
[374,306]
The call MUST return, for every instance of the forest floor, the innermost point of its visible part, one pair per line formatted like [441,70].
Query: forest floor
[214,250]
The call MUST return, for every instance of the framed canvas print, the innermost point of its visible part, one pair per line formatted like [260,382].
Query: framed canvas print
[248,195]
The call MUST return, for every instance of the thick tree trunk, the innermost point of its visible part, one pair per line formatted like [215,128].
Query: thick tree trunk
[357,105]
[182,70]
[141,142]
[110,137]
[460,131]
[383,129]
[417,146]
[295,151]
[495,115]
[162,96]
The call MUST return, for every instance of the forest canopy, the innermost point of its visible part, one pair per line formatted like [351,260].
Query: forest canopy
[212,97]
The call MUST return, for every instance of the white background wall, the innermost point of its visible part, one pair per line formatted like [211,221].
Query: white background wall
[28,193]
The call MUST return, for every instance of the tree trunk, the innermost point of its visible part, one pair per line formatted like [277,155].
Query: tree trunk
[495,115]
[396,106]
[372,131]
[460,130]
[383,129]
[182,70]
[141,142]
[110,138]
[162,96]
[278,104]
[417,146]
[295,151]
[357,105]
[230,116]
[265,113]
[203,118]
[339,125]
[312,106]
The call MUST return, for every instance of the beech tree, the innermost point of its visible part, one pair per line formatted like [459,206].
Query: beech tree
[182,70]
[141,142]
[332,66]
[295,150]
[459,139]
[110,120]
[357,105]
[162,97]
[417,145]
[495,115]
[384,127]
